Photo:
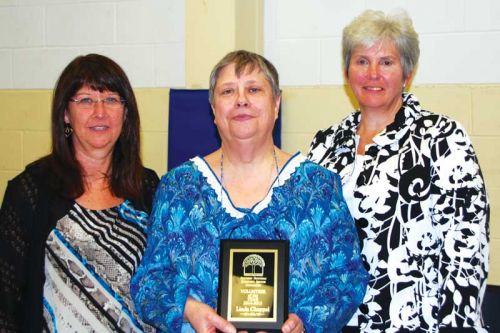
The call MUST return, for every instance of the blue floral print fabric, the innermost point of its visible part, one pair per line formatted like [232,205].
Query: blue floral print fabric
[192,213]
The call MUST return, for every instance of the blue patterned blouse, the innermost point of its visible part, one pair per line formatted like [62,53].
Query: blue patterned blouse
[192,212]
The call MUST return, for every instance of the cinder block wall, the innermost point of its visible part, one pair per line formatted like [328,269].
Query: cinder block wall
[459,40]
[39,37]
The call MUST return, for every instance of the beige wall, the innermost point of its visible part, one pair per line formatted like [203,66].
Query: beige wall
[24,129]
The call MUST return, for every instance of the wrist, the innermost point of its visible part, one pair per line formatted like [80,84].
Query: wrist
[188,309]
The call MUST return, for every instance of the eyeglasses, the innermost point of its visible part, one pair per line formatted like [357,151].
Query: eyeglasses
[110,103]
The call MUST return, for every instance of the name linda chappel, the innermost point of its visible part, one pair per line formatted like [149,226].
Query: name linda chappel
[253,310]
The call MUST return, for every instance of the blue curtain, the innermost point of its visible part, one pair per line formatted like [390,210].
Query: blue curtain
[191,128]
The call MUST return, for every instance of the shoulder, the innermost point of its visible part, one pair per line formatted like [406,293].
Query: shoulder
[328,134]
[315,170]
[144,199]
[180,176]
[28,193]
[32,179]
[431,127]
[39,168]
[180,186]
[315,189]
[326,141]
[316,177]
[187,168]
[429,119]
[150,178]
[438,127]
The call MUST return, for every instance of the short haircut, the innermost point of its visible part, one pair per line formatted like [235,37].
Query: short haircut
[245,61]
[372,27]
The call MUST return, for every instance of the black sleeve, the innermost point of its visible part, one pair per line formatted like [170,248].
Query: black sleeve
[29,211]
[15,214]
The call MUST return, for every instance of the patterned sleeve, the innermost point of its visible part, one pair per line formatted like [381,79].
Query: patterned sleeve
[324,144]
[460,211]
[328,280]
[14,246]
[318,147]
[159,293]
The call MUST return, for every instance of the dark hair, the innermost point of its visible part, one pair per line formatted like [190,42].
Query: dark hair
[99,73]
[245,61]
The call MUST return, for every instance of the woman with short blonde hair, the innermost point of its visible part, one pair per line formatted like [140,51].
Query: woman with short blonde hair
[412,181]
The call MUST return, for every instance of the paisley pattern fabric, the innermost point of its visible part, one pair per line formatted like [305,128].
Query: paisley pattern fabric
[192,213]
[90,258]
[422,213]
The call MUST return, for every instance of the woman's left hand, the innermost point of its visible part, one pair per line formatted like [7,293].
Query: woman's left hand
[293,324]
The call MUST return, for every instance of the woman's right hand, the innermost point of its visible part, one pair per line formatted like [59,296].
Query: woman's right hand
[204,319]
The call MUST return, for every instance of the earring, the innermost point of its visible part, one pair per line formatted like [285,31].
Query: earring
[67,130]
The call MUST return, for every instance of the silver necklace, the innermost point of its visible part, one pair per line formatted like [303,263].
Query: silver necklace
[222,170]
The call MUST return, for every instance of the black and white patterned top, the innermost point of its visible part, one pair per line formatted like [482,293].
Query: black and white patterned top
[422,214]
[90,258]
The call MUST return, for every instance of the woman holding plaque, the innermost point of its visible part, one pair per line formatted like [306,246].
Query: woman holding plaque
[248,189]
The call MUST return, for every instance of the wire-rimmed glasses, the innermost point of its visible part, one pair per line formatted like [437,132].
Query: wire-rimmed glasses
[110,103]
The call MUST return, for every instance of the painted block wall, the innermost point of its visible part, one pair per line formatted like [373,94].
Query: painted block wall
[459,39]
[39,37]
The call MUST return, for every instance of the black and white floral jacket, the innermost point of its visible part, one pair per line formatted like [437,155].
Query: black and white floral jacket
[422,215]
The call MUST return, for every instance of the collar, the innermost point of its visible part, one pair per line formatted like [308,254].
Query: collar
[406,116]
[410,111]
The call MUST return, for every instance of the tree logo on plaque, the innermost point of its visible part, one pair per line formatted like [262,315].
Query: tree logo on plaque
[256,264]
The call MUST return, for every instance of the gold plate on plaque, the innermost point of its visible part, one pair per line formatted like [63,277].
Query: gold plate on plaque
[253,284]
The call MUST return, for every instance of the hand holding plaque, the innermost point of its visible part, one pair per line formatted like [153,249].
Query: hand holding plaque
[253,284]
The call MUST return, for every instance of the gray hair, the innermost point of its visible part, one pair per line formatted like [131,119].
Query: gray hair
[245,61]
[374,26]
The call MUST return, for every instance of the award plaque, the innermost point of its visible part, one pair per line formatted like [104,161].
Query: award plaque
[253,284]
